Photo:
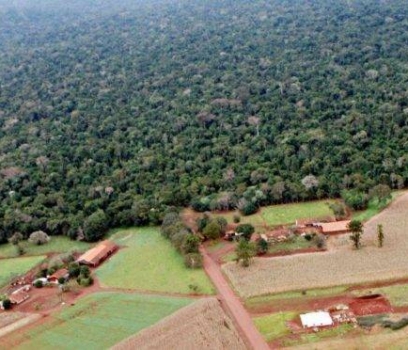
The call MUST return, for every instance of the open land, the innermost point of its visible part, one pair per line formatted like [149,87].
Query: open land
[57,244]
[150,263]
[340,266]
[14,267]
[97,321]
[202,325]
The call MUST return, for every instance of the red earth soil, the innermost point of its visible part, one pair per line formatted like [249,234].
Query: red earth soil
[233,305]
[370,305]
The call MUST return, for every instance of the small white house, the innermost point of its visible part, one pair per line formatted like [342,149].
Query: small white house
[316,319]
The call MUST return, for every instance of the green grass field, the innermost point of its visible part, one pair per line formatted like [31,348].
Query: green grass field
[288,213]
[274,326]
[10,268]
[57,244]
[150,263]
[97,321]
[290,246]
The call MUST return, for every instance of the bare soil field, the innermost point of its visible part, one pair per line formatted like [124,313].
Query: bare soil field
[202,325]
[342,265]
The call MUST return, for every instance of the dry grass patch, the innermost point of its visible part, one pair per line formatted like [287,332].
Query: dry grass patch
[341,266]
[202,325]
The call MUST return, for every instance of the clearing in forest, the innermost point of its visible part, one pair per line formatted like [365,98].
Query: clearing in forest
[149,262]
[97,321]
[332,268]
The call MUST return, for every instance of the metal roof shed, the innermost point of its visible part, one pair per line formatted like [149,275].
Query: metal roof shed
[316,319]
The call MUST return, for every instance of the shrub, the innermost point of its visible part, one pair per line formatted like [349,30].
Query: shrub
[61,280]
[236,218]
[38,284]
[212,230]
[6,304]
[193,260]
[261,246]
[85,281]
[190,244]
[320,241]
[246,231]
[39,238]
[84,271]
[74,269]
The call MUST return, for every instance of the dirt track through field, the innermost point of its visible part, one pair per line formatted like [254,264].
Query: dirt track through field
[233,304]
[19,324]
[341,266]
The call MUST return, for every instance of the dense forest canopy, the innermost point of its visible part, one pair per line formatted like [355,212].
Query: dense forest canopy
[111,111]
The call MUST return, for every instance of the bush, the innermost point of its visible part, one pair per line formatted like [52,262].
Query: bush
[236,218]
[84,271]
[320,241]
[6,304]
[190,244]
[39,238]
[212,230]
[61,280]
[248,208]
[261,246]
[193,260]
[85,281]
[246,231]
[74,269]
[38,284]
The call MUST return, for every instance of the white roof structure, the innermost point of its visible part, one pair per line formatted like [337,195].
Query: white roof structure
[316,319]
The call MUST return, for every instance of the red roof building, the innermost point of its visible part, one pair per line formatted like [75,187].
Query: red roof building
[98,254]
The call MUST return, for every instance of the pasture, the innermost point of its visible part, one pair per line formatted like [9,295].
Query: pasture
[274,325]
[340,266]
[98,321]
[148,262]
[10,268]
[57,244]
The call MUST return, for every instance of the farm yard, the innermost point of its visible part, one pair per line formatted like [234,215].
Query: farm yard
[97,321]
[339,266]
[208,327]
[150,263]
[10,268]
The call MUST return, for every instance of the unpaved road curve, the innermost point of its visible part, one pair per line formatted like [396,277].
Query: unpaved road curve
[230,300]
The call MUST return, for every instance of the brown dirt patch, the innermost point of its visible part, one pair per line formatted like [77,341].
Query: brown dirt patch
[370,305]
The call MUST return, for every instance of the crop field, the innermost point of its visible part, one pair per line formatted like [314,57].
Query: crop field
[208,328]
[10,268]
[57,244]
[150,263]
[340,266]
[97,321]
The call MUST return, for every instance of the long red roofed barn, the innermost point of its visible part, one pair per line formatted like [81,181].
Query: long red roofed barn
[98,254]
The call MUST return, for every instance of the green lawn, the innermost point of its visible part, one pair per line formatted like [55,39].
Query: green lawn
[57,244]
[374,207]
[10,268]
[297,243]
[274,326]
[150,263]
[396,294]
[288,213]
[97,321]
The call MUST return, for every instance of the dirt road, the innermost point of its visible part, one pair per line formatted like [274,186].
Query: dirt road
[233,304]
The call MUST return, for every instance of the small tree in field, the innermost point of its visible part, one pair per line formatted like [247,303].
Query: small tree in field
[380,235]
[245,252]
[356,228]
